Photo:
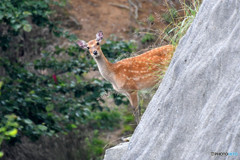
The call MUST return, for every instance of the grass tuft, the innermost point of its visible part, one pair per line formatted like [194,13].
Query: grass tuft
[179,25]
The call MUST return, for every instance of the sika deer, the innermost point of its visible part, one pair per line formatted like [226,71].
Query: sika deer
[130,75]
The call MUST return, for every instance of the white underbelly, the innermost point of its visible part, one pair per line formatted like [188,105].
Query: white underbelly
[118,89]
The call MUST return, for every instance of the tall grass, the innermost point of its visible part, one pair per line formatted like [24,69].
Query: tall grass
[179,25]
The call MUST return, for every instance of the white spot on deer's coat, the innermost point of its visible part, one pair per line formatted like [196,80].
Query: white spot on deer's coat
[136,78]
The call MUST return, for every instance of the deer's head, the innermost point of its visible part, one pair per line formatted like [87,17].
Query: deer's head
[93,46]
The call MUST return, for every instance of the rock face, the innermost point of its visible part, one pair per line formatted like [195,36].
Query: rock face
[196,110]
[116,152]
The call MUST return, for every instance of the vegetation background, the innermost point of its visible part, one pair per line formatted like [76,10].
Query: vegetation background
[53,102]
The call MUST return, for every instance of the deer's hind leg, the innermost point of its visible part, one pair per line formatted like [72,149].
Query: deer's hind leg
[133,98]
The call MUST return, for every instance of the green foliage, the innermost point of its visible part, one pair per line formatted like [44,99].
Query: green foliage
[105,120]
[62,99]
[77,62]
[116,50]
[119,99]
[1,84]
[171,15]
[8,128]
[179,25]
[127,129]
[151,18]
[95,147]
[18,15]
[128,119]
[148,37]
[36,99]
[128,122]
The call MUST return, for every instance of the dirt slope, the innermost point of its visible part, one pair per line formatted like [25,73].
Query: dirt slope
[95,15]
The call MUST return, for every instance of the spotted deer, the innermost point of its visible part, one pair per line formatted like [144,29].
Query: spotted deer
[130,75]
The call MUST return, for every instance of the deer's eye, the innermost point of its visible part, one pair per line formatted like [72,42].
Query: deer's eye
[87,47]
[97,43]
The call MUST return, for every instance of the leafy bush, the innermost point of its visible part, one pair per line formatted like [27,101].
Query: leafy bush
[105,120]
[17,16]
[8,128]
[95,147]
[36,100]
[128,121]
[127,129]
[148,37]
[117,50]
[61,99]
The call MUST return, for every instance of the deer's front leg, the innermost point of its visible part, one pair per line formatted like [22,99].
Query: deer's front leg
[133,98]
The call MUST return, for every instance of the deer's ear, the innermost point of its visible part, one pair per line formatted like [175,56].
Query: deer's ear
[99,36]
[82,44]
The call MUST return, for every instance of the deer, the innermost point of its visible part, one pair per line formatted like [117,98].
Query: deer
[130,75]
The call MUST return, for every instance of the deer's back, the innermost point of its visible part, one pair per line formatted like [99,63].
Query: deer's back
[143,71]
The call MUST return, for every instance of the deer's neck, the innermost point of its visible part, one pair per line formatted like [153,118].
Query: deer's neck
[105,67]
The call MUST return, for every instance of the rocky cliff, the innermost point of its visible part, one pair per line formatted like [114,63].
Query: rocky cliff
[195,114]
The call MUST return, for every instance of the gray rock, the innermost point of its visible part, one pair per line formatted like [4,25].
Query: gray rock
[196,109]
[116,152]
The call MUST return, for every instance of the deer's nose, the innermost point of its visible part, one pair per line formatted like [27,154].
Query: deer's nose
[95,53]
